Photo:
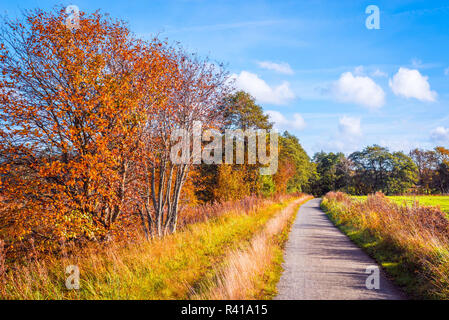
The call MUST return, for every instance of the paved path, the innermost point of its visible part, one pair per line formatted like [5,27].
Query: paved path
[322,263]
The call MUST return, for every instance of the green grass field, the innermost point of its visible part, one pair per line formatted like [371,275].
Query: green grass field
[441,201]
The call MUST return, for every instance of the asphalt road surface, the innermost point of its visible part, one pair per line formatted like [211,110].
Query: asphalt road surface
[322,263]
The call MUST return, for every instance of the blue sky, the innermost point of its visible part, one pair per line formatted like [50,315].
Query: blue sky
[313,65]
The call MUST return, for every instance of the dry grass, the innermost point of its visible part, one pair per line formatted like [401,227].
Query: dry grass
[245,267]
[247,205]
[419,235]
[131,231]
[159,269]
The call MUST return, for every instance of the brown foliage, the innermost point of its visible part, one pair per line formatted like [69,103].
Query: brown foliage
[87,116]
[285,171]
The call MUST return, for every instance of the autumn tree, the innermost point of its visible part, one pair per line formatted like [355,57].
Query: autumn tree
[229,184]
[197,88]
[69,109]
[283,175]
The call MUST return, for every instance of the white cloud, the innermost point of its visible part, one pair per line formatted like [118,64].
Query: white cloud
[281,122]
[409,83]
[440,134]
[446,71]
[404,144]
[360,70]
[416,63]
[263,93]
[360,90]
[282,67]
[348,126]
[346,139]
[379,73]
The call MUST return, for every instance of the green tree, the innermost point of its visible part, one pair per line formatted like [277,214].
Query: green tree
[403,175]
[332,172]
[376,169]
[291,149]
[240,112]
[371,166]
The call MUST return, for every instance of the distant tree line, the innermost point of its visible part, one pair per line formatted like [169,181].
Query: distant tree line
[372,169]
[375,169]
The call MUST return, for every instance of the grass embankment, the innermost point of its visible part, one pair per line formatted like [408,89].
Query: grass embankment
[253,271]
[167,268]
[441,202]
[411,243]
